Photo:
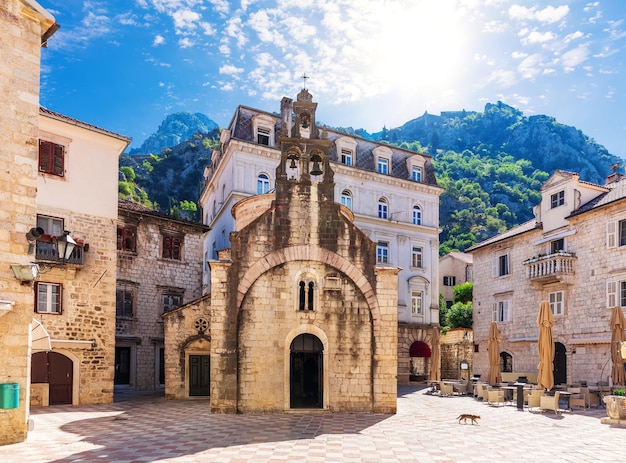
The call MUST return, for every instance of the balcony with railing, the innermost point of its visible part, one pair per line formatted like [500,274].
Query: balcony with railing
[47,252]
[559,266]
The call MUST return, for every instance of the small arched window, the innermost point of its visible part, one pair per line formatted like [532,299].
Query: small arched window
[417,215]
[383,208]
[346,198]
[262,184]
[306,296]
[506,362]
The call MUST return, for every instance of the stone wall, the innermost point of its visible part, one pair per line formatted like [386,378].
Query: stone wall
[457,345]
[151,276]
[85,329]
[21,29]
[407,335]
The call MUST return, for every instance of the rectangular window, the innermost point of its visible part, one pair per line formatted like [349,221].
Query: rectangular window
[346,157]
[124,301]
[52,226]
[126,239]
[171,301]
[416,257]
[616,294]
[383,166]
[263,136]
[382,252]
[172,247]
[557,199]
[449,280]
[500,311]
[621,230]
[48,297]
[556,302]
[417,306]
[503,265]
[416,174]
[557,245]
[51,158]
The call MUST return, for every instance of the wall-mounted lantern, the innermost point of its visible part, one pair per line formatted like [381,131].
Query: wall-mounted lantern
[25,272]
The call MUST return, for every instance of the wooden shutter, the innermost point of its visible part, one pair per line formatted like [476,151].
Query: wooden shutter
[611,234]
[611,294]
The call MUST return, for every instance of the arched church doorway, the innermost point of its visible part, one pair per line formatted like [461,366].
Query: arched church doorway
[306,372]
[56,370]
[560,364]
[420,355]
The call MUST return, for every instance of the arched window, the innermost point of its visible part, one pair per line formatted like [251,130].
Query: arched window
[262,184]
[417,215]
[506,362]
[382,208]
[346,198]
[306,299]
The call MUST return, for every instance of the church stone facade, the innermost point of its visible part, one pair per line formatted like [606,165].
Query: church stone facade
[300,315]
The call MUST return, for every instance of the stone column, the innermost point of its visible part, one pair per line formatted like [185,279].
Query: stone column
[385,362]
[223,340]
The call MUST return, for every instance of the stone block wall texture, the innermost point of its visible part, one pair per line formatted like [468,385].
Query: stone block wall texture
[151,276]
[20,48]
[584,326]
[88,300]
[455,347]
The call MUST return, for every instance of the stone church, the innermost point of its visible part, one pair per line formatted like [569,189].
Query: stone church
[300,315]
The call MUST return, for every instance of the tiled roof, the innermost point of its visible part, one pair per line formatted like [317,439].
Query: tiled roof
[515,231]
[242,129]
[617,192]
[76,122]
[131,206]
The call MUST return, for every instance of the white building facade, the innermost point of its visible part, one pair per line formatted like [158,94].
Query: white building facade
[391,191]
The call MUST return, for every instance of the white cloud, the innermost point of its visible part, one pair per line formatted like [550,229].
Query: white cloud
[185,20]
[573,36]
[519,55]
[494,26]
[158,40]
[502,78]
[548,15]
[230,70]
[186,42]
[538,37]
[530,66]
[573,58]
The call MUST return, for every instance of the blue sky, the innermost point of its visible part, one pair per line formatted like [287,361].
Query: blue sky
[126,64]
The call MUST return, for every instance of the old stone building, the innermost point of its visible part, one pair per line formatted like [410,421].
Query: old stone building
[159,268]
[455,268]
[24,28]
[392,193]
[301,315]
[74,300]
[573,255]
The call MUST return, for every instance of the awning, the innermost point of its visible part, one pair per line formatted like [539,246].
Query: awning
[40,339]
[419,349]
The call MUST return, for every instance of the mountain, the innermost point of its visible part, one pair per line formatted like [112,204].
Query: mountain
[175,129]
[491,164]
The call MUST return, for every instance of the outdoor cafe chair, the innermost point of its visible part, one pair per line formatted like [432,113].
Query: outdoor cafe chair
[548,402]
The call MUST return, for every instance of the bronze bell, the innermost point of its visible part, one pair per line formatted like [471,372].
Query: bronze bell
[316,170]
[293,164]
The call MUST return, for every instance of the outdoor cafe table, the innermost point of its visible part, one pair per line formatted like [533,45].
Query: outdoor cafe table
[520,392]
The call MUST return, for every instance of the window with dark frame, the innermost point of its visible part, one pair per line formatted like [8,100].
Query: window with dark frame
[124,302]
[557,199]
[621,230]
[503,265]
[172,246]
[170,301]
[263,136]
[127,239]
[51,158]
[557,245]
[346,157]
[416,257]
[48,297]
[449,280]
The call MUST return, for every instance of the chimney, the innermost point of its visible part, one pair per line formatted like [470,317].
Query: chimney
[614,176]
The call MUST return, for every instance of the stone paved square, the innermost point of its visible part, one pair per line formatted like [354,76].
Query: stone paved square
[148,428]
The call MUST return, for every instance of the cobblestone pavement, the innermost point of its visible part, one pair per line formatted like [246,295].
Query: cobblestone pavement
[148,428]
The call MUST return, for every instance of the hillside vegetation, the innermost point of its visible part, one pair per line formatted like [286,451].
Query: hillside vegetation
[491,165]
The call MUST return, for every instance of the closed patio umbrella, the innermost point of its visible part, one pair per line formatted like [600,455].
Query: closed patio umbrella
[545,320]
[493,347]
[618,324]
[435,357]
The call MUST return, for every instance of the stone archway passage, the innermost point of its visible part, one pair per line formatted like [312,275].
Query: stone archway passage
[420,354]
[306,372]
[560,364]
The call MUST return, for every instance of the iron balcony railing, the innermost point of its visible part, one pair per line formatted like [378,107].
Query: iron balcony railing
[553,265]
[47,251]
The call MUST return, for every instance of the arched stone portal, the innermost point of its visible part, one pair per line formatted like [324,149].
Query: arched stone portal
[420,361]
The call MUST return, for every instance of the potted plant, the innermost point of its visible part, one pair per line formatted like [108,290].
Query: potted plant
[616,404]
